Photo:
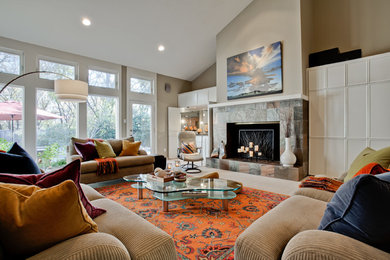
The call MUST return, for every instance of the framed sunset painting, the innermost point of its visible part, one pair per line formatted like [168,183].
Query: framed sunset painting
[256,72]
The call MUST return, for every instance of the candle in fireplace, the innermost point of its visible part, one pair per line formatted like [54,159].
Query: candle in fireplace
[256,148]
[247,149]
[242,149]
[250,153]
[259,154]
[250,144]
[239,150]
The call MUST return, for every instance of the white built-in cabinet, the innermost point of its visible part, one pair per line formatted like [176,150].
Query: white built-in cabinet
[349,109]
[197,97]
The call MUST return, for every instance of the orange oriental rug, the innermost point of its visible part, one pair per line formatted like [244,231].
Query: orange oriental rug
[200,229]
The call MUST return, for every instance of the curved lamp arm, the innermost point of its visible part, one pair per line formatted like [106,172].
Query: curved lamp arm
[66,90]
[32,72]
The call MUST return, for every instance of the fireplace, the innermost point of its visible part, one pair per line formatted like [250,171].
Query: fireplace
[265,135]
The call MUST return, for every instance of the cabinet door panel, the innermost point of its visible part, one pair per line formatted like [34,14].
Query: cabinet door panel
[336,76]
[335,113]
[317,156]
[203,97]
[317,113]
[335,157]
[357,73]
[380,107]
[357,112]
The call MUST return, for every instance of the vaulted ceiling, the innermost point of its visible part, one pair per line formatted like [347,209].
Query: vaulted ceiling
[126,32]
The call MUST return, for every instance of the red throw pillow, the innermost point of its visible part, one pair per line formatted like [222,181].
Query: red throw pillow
[372,169]
[87,150]
[47,180]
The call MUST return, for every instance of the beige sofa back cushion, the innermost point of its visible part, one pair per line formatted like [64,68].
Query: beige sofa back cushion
[115,143]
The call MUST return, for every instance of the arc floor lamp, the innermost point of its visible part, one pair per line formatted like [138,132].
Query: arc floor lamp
[65,89]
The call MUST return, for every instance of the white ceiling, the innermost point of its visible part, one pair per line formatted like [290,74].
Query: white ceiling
[126,32]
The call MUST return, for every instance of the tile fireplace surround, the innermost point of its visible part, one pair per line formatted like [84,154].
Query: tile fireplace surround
[263,112]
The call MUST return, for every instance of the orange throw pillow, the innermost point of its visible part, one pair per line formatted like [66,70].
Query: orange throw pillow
[372,168]
[33,219]
[130,148]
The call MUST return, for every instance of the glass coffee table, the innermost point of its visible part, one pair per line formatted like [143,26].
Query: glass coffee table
[219,189]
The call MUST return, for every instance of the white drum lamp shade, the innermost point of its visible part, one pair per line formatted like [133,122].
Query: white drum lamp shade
[71,90]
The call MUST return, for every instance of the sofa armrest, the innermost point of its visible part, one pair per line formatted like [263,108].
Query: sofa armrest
[88,247]
[315,194]
[90,192]
[320,244]
[267,237]
[73,157]
[142,152]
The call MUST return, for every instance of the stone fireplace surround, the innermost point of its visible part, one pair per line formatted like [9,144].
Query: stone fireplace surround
[263,112]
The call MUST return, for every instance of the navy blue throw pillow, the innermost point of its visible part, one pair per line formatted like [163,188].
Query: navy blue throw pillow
[18,161]
[359,210]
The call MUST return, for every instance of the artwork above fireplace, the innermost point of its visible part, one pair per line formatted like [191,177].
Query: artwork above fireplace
[264,134]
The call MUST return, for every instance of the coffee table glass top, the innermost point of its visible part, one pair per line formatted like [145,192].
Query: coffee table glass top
[190,184]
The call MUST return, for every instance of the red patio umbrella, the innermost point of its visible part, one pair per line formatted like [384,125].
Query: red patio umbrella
[12,110]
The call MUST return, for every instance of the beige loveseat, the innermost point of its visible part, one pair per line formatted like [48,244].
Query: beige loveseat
[122,235]
[289,231]
[128,165]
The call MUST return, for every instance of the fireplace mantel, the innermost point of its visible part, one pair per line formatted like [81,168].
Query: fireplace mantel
[260,100]
[264,110]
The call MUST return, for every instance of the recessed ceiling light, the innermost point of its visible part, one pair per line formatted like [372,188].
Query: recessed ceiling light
[86,21]
[161,47]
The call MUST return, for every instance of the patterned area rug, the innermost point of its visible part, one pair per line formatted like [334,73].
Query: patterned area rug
[200,228]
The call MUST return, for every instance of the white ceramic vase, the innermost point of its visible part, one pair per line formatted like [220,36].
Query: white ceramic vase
[288,158]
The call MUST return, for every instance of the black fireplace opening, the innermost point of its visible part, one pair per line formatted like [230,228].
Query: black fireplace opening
[264,135]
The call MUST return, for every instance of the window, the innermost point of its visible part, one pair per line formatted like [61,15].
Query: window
[10,63]
[102,119]
[141,85]
[64,69]
[101,79]
[142,125]
[56,124]
[11,117]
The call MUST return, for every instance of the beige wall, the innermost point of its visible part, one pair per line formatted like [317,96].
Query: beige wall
[261,23]
[307,35]
[165,100]
[207,79]
[351,24]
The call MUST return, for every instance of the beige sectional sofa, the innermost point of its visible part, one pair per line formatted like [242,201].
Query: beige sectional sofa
[128,165]
[122,235]
[289,231]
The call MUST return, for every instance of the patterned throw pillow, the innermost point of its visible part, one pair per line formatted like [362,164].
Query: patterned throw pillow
[188,148]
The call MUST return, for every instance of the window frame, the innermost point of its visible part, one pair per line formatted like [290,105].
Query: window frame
[59,61]
[118,115]
[142,98]
[36,120]
[152,81]
[20,53]
[100,69]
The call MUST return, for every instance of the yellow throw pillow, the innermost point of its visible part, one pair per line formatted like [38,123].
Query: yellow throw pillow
[104,149]
[33,219]
[369,155]
[129,148]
